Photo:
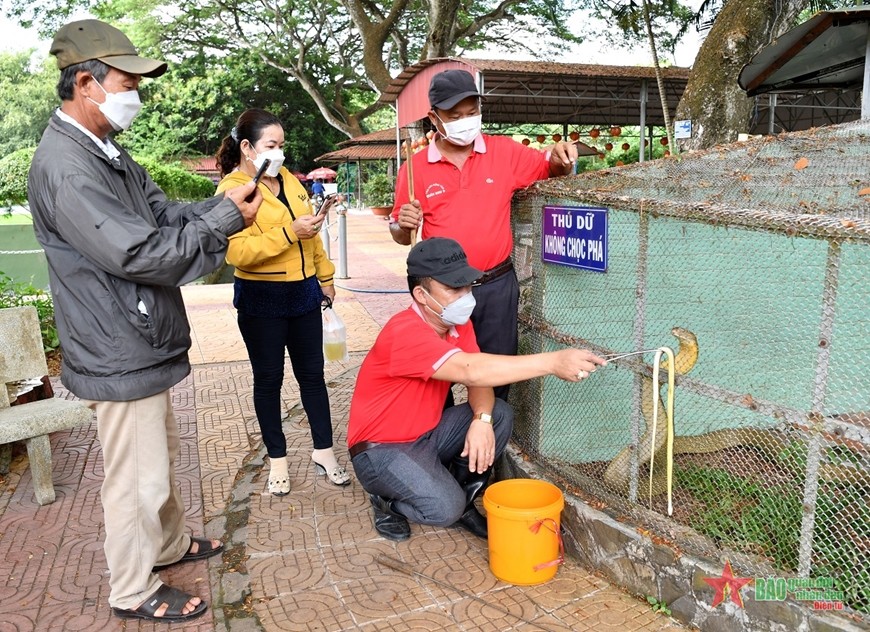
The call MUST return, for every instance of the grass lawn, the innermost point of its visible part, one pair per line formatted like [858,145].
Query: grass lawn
[8,220]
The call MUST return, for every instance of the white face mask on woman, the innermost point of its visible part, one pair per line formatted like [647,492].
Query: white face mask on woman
[462,132]
[119,108]
[276,157]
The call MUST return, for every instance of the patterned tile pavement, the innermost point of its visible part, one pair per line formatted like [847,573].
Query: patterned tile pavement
[308,561]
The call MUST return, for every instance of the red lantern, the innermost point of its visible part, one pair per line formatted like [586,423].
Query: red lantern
[608,146]
[625,146]
[525,141]
[541,138]
[615,131]
[574,135]
[600,155]
[667,153]
[594,133]
[557,138]
[664,141]
[619,163]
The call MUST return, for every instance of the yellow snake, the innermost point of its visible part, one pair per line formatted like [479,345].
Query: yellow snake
[618,471]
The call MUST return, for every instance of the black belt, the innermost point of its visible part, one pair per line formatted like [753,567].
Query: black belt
[362,446]
[493,273]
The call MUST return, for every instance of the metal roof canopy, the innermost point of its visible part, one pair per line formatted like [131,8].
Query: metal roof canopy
[539,92]
[828,51]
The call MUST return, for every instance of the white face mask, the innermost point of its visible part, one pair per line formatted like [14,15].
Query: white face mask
[119,108]
[458,312]
[276,156]
[462,132]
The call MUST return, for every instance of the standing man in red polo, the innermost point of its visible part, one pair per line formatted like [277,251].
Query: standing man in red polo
[463,186]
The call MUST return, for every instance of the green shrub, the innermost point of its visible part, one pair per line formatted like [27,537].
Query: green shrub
[177,182]
[378,190]
[14,294]
[13,177]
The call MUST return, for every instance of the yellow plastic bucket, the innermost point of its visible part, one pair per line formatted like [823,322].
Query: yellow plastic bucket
[525,544]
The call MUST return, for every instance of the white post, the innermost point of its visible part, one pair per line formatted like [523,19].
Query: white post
[865,93]
[643,99]
[342,243]
[771,101]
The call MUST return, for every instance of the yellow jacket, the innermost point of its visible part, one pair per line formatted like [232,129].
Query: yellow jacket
[269,250]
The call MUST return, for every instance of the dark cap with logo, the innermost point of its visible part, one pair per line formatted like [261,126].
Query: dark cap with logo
[92,39]
[449,88]
[442,259]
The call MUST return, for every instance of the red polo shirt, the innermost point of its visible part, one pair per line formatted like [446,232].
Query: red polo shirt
[473,206]
[395,398]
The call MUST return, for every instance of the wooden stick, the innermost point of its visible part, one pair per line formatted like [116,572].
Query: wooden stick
[404,567]
[409,163]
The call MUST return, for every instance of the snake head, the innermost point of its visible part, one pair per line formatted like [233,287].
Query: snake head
[687,355]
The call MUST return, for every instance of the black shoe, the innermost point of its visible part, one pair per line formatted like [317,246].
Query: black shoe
[472,521]
[388,522]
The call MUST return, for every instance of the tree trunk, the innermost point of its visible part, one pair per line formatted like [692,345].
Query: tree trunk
[718,108]
[659,81]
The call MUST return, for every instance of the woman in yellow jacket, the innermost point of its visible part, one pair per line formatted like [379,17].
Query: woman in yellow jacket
[282,276]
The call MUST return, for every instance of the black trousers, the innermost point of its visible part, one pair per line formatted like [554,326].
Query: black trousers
[302,337]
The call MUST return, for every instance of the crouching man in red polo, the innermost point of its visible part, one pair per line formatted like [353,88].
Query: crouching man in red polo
[417,460]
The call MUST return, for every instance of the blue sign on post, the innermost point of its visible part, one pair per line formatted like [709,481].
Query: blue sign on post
[575,236]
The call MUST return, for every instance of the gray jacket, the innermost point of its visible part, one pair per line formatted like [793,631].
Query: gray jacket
[113,242]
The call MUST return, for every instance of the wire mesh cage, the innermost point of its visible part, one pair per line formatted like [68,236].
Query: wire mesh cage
[752,262]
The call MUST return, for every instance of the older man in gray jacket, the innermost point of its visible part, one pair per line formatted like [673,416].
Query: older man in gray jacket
[117,251]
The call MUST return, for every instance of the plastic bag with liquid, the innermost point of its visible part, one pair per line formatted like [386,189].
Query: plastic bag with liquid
[334,336]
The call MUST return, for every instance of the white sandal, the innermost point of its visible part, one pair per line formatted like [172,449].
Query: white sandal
[279,477]
[334,472]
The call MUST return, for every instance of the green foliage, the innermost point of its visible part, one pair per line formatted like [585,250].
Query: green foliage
[177,182]
[658,606]
[191,109]
[765,520]
[14,294]
[343,52]
[13,177]
[379,190]
[27,98]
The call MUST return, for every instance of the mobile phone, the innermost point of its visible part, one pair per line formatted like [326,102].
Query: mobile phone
[323,204]
[257,177]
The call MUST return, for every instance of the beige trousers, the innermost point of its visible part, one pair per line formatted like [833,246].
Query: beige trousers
[142,505]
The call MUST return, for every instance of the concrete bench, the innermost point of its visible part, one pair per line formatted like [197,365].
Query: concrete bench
[22,358]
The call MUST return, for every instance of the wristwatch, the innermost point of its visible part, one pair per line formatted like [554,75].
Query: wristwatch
[484,417]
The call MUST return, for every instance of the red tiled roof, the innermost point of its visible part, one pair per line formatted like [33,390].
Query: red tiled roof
[379,137]
[542,92]
[352,153]
[207,163]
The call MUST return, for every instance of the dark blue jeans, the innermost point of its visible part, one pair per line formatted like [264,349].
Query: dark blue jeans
[302,337]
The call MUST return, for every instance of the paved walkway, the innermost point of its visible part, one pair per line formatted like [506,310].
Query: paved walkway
[308,561]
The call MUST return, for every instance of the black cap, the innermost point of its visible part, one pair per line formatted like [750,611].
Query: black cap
[449,88]
[442,259]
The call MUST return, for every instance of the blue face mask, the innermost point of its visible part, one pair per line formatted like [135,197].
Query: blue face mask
[458,312]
